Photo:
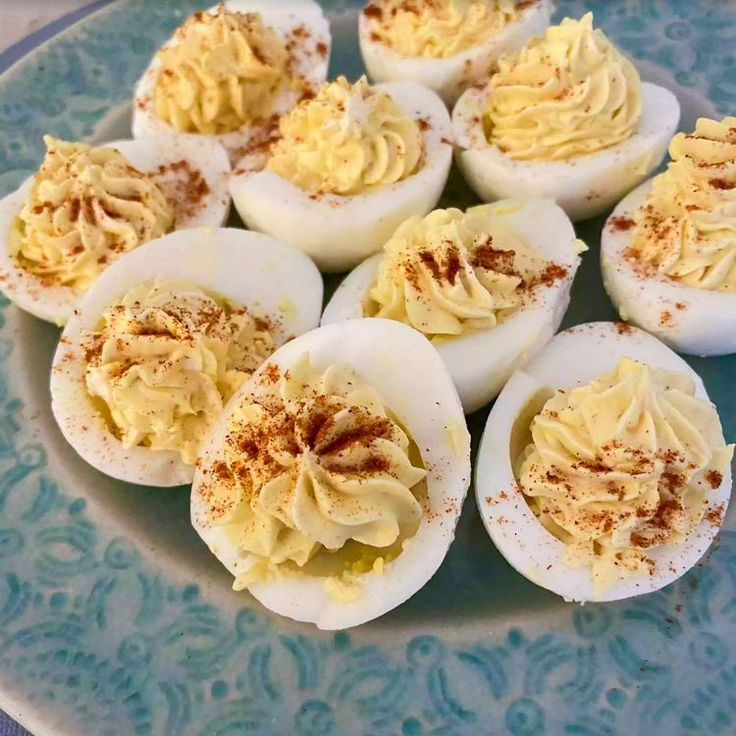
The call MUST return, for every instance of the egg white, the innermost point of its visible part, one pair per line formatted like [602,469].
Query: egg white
[337,231]
[252,269]
[55,303]
[574,357]
[583,186]
[448,77]
[283,17]
[481,362]
[388,356]
[690,320]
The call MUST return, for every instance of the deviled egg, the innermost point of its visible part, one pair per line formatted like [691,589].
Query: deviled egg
[565,118]
[332,483]
[231,71]
[607,477]
[165,336]
[489,287]
[668,251]
[349,166]
[446,45]
[87,205]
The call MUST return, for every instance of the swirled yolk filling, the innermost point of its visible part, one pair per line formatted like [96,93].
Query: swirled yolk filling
[622,465]
[223,70]
[349,139]
[569,93]
[315,475]
[453,272]
[86,206]
[686,227]
[164,360]
[436,29]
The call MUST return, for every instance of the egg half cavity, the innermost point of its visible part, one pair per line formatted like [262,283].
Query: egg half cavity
[481,360]
[583,132]
[99,213]
[518,534]
[273,282]
[345,406]
[434,52]
[232,70]
[668,251]
[339,230]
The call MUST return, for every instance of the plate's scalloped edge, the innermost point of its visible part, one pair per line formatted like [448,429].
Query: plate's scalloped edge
[176,666]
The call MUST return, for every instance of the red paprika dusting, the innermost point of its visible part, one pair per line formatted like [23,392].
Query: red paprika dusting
[621,223]
[494,259]
[715,516]
[428,259]
[373,11]
[453,265]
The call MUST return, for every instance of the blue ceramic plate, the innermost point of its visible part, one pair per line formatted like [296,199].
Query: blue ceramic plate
[116,620]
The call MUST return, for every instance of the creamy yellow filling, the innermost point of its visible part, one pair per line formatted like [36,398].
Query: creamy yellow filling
[621,465]
[349,139]
[86,206]
[164,360]
[436,29]
[569,93]
[223,70]
[686,228]
[452,272]
[315,463]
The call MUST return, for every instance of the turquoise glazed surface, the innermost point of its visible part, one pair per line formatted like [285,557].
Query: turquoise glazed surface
[114,618]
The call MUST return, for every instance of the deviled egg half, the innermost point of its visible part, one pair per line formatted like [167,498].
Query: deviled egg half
[606,477]
[348,167]
[446,45]
[333,481]
[165,336]
[489,287]
[231,71]
[668,251]
[88,205]
[565,118]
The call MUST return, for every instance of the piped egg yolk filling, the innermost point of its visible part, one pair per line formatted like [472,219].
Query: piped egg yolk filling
[566,94]
[349,139]
[686,228]
[453,272]
[86,206]
[164,360]
[314,476]
[436,29]
[621,465]
[223,70]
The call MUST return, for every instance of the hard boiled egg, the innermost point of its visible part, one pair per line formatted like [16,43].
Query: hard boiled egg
[689,319]
[527,545]
[238,74]
[668,251]
[551,157]
[481,360]
[355,442]
[192,174]
[450,72]
[339,230]
[274,282]
[584,186]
